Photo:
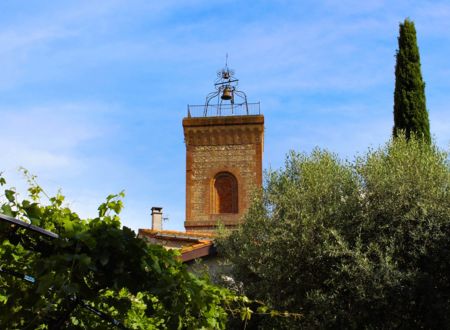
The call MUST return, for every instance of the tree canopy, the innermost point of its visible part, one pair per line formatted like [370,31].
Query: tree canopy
[97,274]
[360,244]
[410,112]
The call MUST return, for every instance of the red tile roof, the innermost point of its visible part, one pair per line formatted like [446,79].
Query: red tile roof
[197,245]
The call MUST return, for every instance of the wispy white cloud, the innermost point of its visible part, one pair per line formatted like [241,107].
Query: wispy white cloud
[47,138]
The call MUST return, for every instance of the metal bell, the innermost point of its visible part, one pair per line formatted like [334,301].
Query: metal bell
[227,93]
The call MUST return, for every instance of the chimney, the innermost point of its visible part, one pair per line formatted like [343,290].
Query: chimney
[156,218]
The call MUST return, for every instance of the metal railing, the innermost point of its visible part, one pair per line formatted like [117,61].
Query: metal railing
[222,110]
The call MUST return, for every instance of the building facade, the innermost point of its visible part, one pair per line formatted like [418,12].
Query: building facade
[223,168]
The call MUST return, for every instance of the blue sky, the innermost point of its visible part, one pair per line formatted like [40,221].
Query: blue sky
[92,93]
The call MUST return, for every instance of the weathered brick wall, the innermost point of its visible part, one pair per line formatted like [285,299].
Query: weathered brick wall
[240,160]
[221,144]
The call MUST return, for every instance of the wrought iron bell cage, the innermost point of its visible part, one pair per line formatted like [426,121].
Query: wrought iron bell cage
[226,96]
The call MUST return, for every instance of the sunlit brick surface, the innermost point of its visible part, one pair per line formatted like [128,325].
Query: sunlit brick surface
[216,146]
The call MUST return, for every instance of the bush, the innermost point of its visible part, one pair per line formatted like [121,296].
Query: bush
[96,264]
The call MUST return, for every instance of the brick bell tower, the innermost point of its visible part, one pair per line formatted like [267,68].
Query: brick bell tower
[224,145]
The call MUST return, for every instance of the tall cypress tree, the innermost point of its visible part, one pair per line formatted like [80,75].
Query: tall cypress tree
[410,111]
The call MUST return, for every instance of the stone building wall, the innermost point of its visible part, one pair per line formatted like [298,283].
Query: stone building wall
[216,145]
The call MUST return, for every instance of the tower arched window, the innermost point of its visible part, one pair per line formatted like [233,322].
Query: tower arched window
[225,193]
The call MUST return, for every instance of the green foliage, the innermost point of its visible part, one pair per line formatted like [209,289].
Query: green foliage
[350,245]
[97,263]
[410,112]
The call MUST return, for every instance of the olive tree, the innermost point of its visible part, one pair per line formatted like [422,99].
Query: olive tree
[361,244]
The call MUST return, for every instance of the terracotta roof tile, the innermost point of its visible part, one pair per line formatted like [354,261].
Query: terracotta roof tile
[197,244]
[177,234]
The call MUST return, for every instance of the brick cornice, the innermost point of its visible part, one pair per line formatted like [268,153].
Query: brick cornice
[223,121]
[223,135]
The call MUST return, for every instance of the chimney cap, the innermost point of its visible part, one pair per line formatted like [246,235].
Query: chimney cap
[156,209]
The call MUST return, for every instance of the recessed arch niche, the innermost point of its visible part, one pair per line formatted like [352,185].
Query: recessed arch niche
[224,193]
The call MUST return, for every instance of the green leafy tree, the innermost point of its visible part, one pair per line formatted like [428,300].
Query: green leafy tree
[350,245]
[97,265]
[410,112]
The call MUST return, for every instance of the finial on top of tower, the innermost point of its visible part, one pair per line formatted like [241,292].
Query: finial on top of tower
[225,73]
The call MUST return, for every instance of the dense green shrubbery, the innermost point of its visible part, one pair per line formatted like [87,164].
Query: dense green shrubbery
[97,263]
[351,245]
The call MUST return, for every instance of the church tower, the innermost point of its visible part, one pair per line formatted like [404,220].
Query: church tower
[224,146]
